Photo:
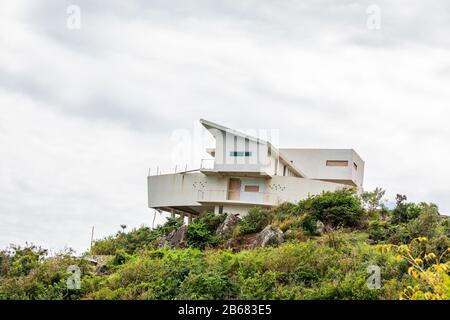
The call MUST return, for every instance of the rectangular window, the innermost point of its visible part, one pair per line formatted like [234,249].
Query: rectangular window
[240,154]
[249,188]
[337,163]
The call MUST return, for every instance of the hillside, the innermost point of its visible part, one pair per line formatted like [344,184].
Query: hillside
[319,248]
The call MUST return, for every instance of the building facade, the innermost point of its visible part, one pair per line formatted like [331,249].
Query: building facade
[248,172]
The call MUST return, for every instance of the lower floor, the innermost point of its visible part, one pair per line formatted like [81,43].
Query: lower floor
[190,194]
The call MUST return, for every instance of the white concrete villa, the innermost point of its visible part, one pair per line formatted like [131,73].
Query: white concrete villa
[249,172]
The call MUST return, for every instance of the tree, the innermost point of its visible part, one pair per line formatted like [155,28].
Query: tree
[403,211]
[373,200]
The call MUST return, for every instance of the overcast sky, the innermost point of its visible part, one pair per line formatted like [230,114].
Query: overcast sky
[85,112]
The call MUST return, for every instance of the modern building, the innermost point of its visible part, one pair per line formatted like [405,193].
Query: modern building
[248,172]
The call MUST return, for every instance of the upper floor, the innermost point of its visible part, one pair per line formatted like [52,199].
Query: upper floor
[239,153]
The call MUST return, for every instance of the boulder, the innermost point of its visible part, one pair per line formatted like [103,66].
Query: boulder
[178,239]
[175,239]
[270,235]
[164,240]
[100,262]
[102,270]
[228,225]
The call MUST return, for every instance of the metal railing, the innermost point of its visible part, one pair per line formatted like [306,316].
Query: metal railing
[264,198]
[204,164]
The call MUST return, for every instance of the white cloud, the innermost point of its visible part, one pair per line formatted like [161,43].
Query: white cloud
[85,113]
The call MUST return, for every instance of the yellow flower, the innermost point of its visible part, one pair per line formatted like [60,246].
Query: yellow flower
[430,256]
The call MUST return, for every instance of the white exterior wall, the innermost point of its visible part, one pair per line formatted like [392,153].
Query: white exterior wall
[293,189]
[313,163]
[227,143]
[181,189]
[172,190]
[288,189]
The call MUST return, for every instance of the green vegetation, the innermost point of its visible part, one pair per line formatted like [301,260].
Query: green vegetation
[201,232]
[330,240]
[255,220]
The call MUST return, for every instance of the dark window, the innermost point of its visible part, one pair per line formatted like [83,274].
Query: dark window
[240,154]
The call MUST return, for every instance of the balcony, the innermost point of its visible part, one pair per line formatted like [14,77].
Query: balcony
[209,167]
[238,197]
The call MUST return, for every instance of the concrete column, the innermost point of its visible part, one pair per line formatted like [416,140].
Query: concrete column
[189,218]
[216,209]
[172,214]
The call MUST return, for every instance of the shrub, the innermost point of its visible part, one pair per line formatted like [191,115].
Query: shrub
[134,240]
[254,221]
[286,210]
[426,224]
[211,220]
[340,208]
[119,258]
[198,236]
[403,211]
[201,232]
[209,285]
[428,270]
[379,231]
[25,259]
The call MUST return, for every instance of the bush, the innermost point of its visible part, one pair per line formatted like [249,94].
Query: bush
[403,211]
[201,232]
[211,220]
[23,260]
[119,258]
[341,208]
[379,231]
[198,236]
[426,224]
[136,239]
[254,221]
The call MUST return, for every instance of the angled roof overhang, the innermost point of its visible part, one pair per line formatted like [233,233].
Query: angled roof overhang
[214,126]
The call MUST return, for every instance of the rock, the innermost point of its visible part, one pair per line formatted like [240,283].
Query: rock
[102,270]
[164,240]
[270,235]
[230,243]
[100,263]
[92,261]
[178,239]
[175,239]
[320,228]
[228,225]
